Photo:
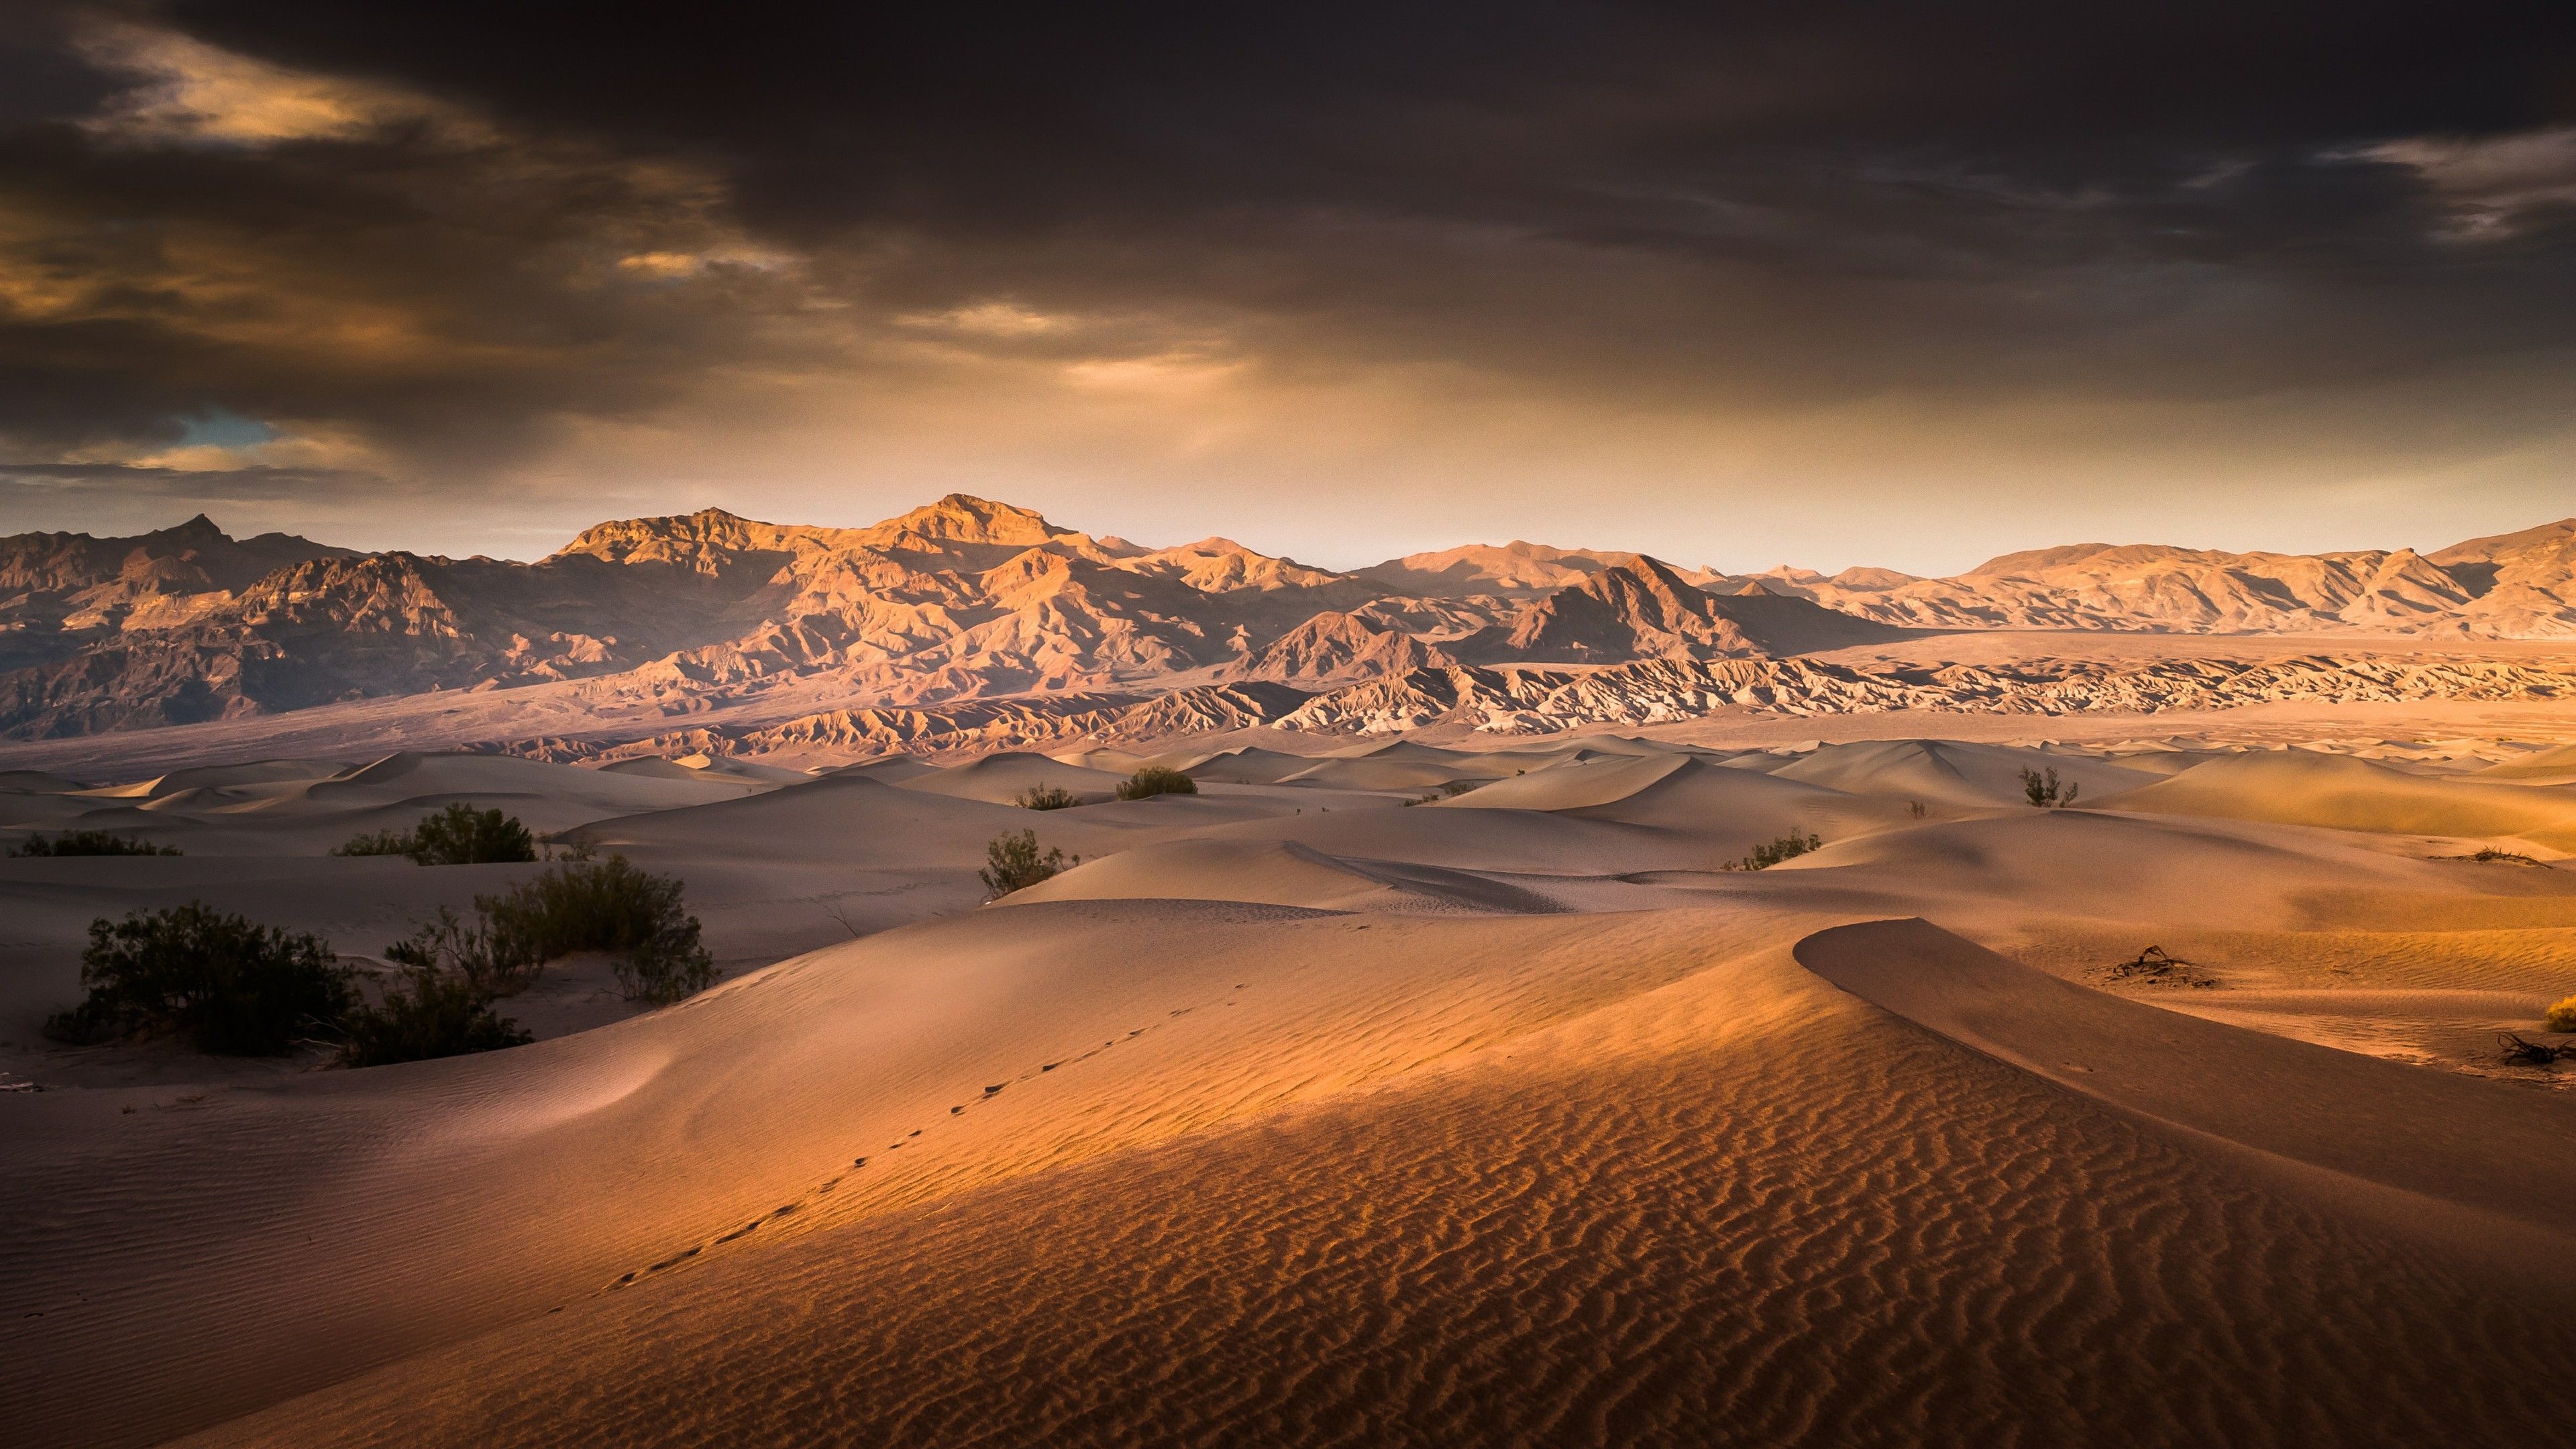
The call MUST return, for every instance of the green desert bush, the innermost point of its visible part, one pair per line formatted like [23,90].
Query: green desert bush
[2043,791]
[1048,797]
[1155,780]
[494,961]
[1012,862]
[635,915]
[90,842]
[2561,1017]
[1786,847]
[431,1013]
[232,985]
[456,835]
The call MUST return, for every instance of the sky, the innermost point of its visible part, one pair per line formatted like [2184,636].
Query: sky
[1831,283]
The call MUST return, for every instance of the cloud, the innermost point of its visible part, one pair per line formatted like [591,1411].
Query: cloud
[183,91]
[2495,186]
[1674,256]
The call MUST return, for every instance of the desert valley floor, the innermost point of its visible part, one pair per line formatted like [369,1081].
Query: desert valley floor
[1390,1090]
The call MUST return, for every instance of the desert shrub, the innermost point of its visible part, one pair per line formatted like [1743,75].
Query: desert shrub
[432,1013]
[2043,791]
[611,906]
[2561,1017]
[457,835]
[90,842]
[1155,780]
[1048,797]
[1787,846]
[232,985]
[494,962]
[1012,862]
[1456,788]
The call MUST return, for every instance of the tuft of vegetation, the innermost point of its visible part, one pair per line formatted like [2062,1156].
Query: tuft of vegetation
[457,835]
[232,985]
[1155,780]
[494,961]
[2562,1017]
[2044,792]
[1012,862]
[90,842]
[1048,797]
[433,1013]
[2489,855]
[1914,808]
[635,915]
[1787,847]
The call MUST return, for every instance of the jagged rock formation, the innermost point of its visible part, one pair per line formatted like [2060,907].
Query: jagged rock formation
[63,592]
[1537,700]
[1643,610]
[971,600]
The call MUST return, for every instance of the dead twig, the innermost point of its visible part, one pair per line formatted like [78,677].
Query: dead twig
[2515,1048]
[2154,967]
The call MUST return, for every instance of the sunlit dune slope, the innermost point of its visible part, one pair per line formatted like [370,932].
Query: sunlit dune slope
[1519,1181]
[2300,787]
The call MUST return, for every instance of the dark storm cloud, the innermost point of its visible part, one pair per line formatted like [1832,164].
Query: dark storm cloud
[445,235]
[1137,151]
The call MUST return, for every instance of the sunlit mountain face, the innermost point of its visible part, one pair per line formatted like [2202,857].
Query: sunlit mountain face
[804,633]
[1839,285]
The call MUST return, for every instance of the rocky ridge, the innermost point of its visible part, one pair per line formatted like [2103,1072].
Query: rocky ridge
[972,602]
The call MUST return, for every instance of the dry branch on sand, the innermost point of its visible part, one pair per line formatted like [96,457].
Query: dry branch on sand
[2154,967]
[2514,1048]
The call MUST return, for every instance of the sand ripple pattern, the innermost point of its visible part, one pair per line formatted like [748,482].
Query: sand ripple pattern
[1709,1215]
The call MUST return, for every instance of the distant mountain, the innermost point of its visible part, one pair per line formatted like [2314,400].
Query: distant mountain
[2520,585]
[967,599]
[1643,610]
[1511,570]
[60,591]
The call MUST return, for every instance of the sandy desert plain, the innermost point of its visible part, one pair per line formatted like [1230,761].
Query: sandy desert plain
[1327,1106]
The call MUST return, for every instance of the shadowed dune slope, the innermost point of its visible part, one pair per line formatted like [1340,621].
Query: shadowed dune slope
[1251,766]
[1686,1193]
[2303,788]
[1731,809]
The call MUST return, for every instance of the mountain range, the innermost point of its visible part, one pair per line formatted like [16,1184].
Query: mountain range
[966,600]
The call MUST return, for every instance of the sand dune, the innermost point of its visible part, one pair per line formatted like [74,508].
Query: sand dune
[2471,1169]
[1948,772]
[1813,1220]
[1294,1114]
[1250,766]
[1281,873]
[2306,788]
[1003,779]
